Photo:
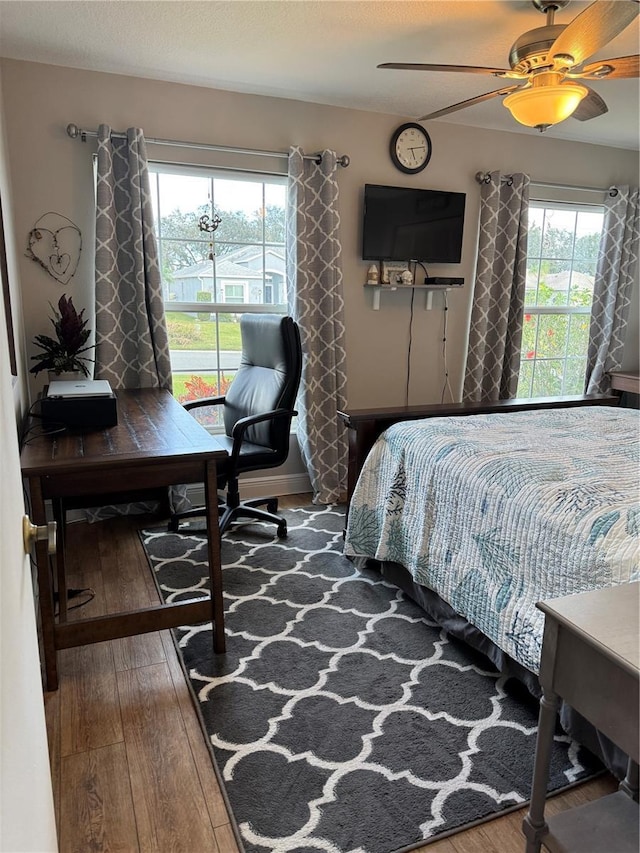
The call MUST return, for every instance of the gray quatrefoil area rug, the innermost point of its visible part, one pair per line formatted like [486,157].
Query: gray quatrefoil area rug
[340,718]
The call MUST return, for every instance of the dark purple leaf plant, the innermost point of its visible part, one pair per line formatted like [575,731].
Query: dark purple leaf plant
[64,353]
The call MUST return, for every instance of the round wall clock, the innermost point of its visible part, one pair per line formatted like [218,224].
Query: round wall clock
[410,148]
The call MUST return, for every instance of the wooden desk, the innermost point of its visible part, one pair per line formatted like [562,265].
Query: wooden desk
[590,658]
[365,425]
[156,443]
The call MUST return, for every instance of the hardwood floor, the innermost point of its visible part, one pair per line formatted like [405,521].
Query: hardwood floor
[130,766]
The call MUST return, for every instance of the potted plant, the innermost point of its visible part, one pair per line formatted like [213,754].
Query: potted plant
[63,354]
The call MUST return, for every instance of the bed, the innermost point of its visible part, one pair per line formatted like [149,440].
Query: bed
[478,518]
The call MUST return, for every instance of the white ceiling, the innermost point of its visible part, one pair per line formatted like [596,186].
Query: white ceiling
[323,51]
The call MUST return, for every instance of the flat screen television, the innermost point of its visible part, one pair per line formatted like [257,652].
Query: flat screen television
[405,224]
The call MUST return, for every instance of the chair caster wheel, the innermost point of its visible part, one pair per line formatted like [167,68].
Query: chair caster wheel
[282,531]
[272,506]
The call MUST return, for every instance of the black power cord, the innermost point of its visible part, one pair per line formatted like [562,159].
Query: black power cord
[416,264]
[29,432]
[406,393]
[75,593]
[446,384]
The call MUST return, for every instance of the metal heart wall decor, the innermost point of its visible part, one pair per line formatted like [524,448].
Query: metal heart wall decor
[55,243]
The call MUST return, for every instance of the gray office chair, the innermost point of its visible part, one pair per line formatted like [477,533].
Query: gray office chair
[257,411]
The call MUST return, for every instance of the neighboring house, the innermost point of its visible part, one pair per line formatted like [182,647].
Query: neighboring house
[239,277]
[562,281]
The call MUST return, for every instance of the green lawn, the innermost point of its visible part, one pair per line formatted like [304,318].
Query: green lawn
[186,332]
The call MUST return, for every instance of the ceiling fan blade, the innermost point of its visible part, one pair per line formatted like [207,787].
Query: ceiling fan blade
[590,106]
[420,66]
[623,66]
[592,29]
[469,103]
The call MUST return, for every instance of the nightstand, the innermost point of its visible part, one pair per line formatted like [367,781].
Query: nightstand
[625,381]
[626,384]
[590,658]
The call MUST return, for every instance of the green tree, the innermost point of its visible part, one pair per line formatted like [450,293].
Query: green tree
[586,253]
[587,247]
[184,244]
[183,226]
[534,240]
[557,243]
[554,245]
[559,246]
[274,224]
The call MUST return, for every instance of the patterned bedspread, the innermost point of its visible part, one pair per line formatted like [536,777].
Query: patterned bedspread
[496,512]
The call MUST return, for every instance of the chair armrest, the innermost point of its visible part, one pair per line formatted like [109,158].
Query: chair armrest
[203,401]
[242,425]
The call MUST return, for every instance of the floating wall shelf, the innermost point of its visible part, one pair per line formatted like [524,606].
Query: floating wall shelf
[386,288]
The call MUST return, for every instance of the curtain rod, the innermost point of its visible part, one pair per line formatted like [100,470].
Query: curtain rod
[485,178]
[74,132]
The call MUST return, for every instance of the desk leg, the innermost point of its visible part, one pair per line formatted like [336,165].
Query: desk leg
[213,546]
[59,516]
[630,783]
[534,825]
[45,588]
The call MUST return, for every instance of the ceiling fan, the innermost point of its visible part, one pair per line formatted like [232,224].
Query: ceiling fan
[549,61]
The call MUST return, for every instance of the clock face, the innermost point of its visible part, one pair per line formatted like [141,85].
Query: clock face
[410,148]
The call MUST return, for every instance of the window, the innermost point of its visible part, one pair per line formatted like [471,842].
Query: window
[208,280]
[561,265]
[234,293]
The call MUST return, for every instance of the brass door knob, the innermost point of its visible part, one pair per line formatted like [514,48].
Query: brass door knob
[32,533]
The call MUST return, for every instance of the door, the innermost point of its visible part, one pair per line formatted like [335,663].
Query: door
[27,822]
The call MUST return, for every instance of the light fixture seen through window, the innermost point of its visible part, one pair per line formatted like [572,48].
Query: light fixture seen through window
[547,101]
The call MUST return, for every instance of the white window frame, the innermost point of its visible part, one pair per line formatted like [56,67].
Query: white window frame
[161,167]
[556,310]
[219,282]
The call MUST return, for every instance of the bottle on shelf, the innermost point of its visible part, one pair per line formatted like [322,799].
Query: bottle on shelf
[373,276]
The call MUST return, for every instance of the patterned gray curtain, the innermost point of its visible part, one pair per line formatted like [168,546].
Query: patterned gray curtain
[132,348]
[495,334]
[617,270]
[314,285]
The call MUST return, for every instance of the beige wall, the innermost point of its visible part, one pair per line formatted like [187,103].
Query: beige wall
[18,382]
[50,172]
[26,798]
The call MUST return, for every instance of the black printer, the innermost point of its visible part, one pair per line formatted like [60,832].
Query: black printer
[79,404]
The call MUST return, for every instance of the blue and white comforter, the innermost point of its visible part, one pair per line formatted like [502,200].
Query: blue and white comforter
[496,512]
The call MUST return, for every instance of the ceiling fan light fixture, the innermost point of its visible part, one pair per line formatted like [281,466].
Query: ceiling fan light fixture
[546,102]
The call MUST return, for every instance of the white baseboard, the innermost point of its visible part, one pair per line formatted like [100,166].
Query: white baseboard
[250,487]
[260,487]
